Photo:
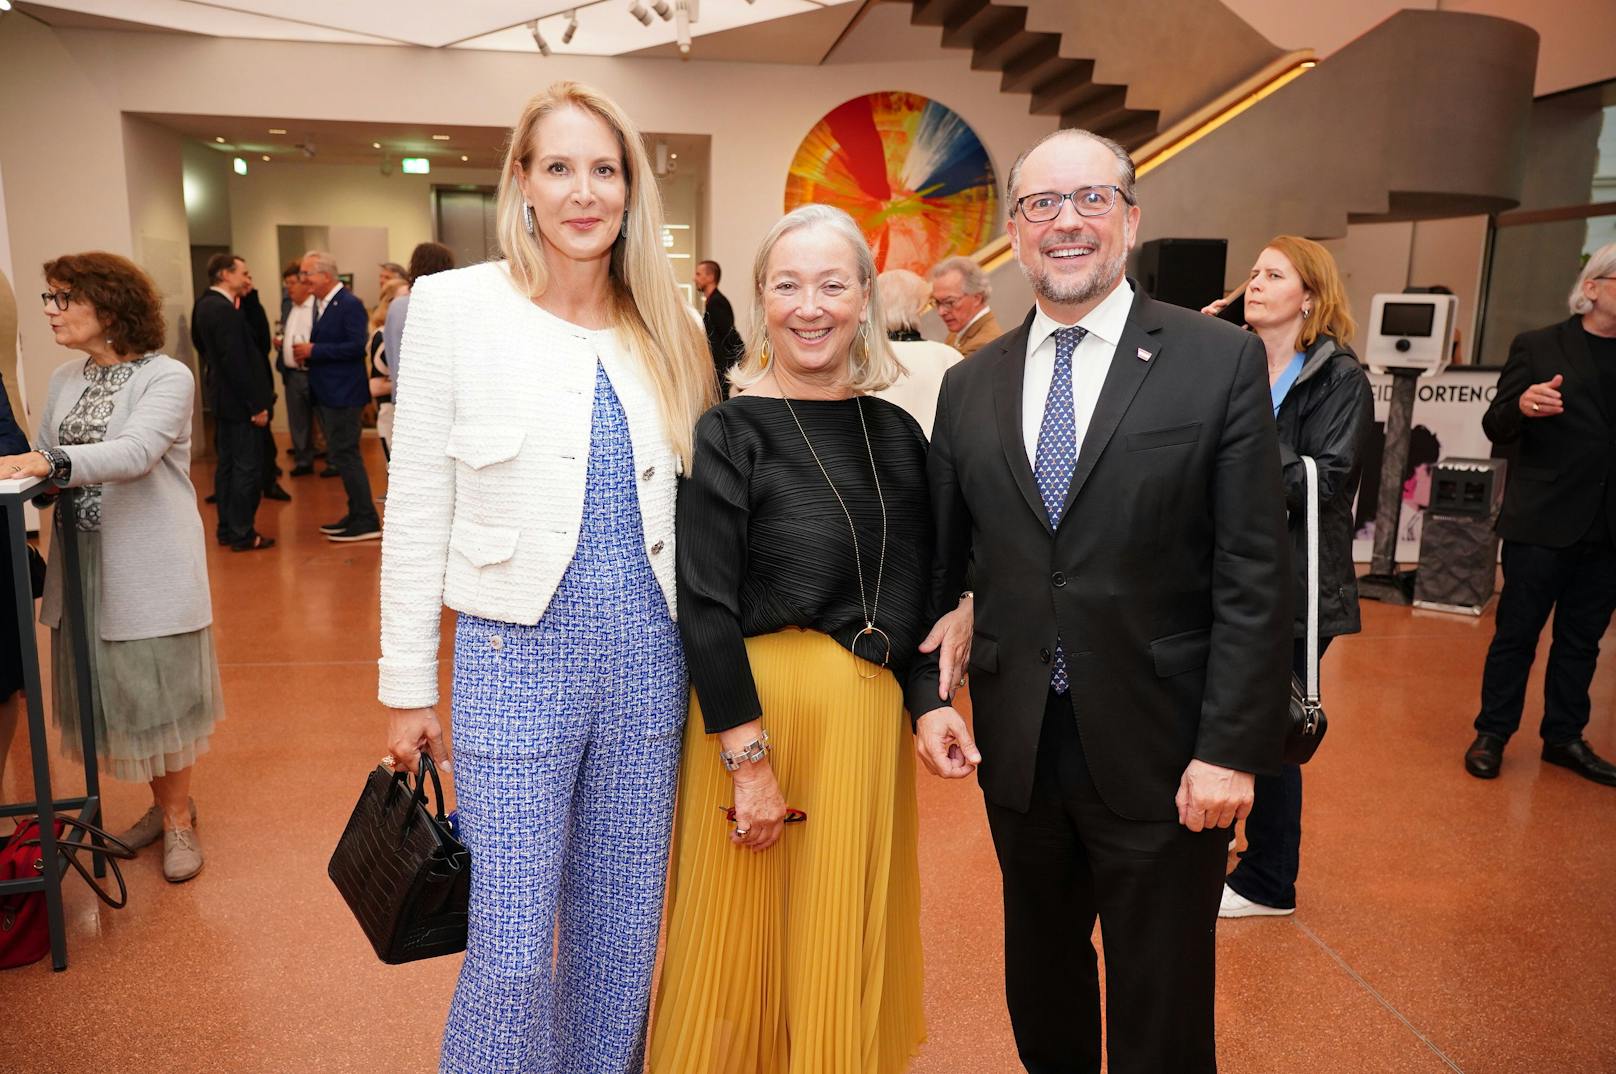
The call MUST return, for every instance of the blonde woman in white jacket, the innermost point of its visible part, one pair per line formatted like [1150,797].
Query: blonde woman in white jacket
[545,410]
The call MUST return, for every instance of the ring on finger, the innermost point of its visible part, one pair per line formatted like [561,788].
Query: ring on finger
[742,833]
[1536,408]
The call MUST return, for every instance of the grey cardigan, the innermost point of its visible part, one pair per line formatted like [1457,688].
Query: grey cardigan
[154,576]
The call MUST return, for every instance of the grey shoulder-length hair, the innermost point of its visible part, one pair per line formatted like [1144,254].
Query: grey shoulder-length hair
[1601,263]
[871,364]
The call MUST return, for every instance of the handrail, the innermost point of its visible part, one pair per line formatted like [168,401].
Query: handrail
[1191,129]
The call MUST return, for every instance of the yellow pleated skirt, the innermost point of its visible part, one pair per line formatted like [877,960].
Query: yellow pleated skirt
[804,958]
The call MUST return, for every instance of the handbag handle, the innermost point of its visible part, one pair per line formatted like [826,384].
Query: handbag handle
[425,769]
[114,849]
[1311,521]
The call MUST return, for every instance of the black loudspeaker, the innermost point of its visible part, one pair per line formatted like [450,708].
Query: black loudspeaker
[1458,548]
[1185,272]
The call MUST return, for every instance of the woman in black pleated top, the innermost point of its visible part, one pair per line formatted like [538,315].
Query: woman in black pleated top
[804,551]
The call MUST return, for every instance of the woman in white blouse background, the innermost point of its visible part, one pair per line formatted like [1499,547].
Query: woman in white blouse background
[545,410]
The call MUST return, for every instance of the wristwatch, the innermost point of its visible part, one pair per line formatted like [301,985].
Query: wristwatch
[753,752]
[61,464]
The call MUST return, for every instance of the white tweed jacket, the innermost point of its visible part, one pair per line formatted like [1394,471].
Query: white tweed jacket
[490,454]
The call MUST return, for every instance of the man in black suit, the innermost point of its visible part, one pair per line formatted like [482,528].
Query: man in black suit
[241,396]
[718,319]
[340,384]
[1109,474]
[1557,400]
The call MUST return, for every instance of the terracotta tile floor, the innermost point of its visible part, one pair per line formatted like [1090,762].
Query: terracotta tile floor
[1445,924]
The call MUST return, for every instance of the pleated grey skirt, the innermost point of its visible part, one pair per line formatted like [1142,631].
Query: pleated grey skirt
[155,701]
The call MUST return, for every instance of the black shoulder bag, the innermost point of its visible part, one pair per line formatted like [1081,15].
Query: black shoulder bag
[404,875]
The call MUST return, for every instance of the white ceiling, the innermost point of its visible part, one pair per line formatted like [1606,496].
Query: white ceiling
[605,27]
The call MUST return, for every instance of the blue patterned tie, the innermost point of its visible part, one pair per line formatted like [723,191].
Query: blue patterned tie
[1057,458]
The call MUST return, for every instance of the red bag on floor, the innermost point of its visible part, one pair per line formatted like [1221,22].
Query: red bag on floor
[24,928]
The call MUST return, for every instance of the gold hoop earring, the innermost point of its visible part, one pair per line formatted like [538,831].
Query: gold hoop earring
[763,355]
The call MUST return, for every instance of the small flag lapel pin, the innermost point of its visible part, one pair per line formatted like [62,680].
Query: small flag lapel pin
[1144,355]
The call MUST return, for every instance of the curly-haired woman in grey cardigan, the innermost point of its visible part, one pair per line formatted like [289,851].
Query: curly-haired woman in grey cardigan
[117,427]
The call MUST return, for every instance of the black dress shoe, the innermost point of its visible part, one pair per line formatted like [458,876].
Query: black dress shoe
[1485,756]
[1578,756]
[331,471]
[302,471]
[275,492]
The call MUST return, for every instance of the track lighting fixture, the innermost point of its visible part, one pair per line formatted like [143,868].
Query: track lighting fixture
[664,12]
[681,31]
[572,27]
[538,38]
[637,9]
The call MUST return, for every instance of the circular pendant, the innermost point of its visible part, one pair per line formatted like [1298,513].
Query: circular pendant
[878,646]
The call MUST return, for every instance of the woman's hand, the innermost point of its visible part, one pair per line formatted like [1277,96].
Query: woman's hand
[760,808]
[409,731]
[32,464]
[1215,307]
[952,633]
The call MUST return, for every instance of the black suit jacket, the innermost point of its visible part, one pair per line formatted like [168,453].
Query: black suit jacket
[238,378]
[718,320]
[1559,480]
[1168,579]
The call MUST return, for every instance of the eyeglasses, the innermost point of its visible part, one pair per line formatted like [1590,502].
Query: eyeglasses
[61,298]
[947,304]
[1087,200]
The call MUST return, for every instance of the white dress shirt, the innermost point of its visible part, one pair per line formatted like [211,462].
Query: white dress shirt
[1090,363]
[981,313]
[299,323]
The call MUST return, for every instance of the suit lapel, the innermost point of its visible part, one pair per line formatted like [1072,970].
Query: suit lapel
[1122,381]
[1007,386]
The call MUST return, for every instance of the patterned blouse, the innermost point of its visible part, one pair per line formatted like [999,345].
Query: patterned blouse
[86,423]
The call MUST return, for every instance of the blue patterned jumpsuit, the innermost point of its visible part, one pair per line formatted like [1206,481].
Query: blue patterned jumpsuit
[566,748]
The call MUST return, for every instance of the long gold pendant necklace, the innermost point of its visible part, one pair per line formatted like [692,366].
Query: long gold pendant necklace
[878,639]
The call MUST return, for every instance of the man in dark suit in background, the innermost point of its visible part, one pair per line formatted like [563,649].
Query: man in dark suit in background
[718,319]
[335,355]
[1110,475]
[1557,400]
[252,309]
[242,394]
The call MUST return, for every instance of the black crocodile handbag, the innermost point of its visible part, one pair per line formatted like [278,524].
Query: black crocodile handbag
[404,875]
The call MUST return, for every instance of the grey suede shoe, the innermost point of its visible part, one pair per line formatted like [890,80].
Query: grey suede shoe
[149,828]
[182,855]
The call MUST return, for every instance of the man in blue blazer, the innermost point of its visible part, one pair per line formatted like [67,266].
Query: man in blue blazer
[335,356]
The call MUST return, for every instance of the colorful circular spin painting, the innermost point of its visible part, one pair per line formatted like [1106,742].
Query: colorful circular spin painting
[910,171]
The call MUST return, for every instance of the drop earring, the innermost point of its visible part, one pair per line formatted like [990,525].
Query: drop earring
[763,355]
[527,217]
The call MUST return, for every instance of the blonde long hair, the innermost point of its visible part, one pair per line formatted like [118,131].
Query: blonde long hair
[647,312]
[871,366]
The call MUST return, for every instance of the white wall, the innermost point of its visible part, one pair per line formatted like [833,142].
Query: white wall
[159,231]
[207,193]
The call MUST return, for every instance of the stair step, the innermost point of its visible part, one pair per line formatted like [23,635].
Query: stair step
[1128,127]
[1042,65]
[942,12]
[988,23]
[1062,95]
[1009,40]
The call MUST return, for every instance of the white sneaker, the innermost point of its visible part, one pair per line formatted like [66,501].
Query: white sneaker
[1236,905]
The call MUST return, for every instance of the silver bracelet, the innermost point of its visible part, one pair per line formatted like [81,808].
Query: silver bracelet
[753,752]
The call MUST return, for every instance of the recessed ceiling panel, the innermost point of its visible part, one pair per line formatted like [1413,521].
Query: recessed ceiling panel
[215,20]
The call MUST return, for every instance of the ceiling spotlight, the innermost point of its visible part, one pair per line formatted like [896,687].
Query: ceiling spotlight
[375,145]
[572,27]
[637,9]
[440,137]
[264,157]
[464,158]
[277,130]
[219,138]
[5,5]
[664,12]
[673,156]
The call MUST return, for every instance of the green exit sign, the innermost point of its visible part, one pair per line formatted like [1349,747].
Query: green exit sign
[416,166]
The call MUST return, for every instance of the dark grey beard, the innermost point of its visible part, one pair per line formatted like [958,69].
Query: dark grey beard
[1100,279]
